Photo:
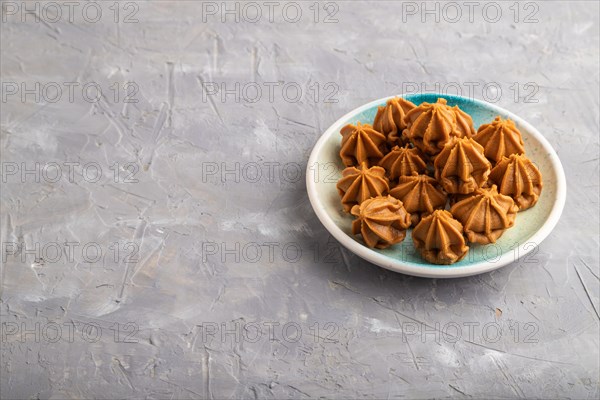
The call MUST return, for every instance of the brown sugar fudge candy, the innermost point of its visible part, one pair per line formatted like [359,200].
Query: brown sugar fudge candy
[382,221]
[439,238]
[461,167]
[500,138]
[420,194]
[402,161]
[390,120]
[360,184]
[518,177]
[430,126]
[485,215]
[361,143]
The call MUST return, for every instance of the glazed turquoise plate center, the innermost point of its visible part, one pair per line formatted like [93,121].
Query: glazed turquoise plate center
[522,240]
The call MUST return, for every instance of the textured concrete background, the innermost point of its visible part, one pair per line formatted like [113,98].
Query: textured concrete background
[158,242]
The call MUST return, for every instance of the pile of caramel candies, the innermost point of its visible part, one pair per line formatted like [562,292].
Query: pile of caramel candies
[427,168]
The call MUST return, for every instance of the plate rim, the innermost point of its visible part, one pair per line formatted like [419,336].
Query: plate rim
[432,270]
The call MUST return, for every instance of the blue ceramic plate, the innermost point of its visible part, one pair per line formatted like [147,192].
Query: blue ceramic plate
[531,226]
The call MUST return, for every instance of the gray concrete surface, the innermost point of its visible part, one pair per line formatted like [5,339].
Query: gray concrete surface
[158,242]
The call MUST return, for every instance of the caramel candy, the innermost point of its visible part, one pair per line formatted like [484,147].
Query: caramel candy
[500,138]
[431,126]
[461,167]
[360,184]
[439,238]
[382,221]
[420,194]
[517,177]
[485,215]
[390,120]
[361,143]
[402,161]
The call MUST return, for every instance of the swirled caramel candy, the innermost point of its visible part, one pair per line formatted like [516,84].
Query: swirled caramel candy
[403,161]
[461,167]
[382,221]
[518,177]
[420,194]
[501,138]
[485,215]
[430,126]
[360,184]
[439,238]
[361,144]
[389,120]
